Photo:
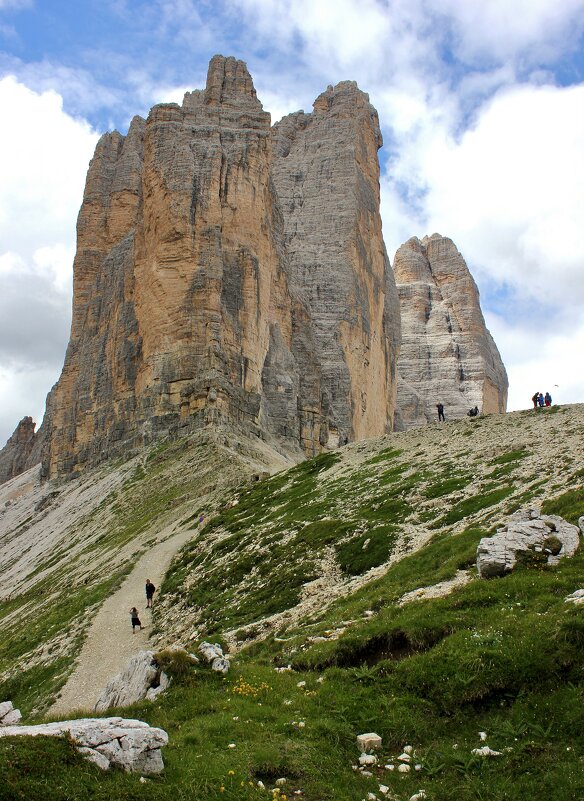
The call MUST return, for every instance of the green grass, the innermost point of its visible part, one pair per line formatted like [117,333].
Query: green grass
[502,656]
[473,505]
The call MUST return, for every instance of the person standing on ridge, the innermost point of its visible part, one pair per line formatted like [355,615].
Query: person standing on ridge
[548,399]
[440,407]
[535,400]
[150,590]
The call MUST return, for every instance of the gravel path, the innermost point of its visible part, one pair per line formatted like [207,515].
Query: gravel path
[110,642]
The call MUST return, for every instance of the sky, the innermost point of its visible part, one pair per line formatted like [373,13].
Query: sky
[481,104]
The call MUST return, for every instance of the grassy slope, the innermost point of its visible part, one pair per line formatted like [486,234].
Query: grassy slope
[502,656]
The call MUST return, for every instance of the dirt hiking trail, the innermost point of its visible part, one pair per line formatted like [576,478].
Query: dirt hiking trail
[110,642]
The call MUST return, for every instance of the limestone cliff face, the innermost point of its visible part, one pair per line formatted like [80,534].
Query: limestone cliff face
[23,450]
[326,176]
[447,356]
[228,273]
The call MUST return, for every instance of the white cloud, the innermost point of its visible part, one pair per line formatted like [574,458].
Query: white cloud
[538,358]
[510,192]
[44,155]
[15,4]
[500,30]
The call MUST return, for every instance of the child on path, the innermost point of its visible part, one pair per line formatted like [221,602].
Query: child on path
[135,619]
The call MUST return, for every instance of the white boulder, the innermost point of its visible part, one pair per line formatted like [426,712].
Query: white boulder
[526,531]
[576,597]
[9,716]
[131,745]
[213,653]
[140,677]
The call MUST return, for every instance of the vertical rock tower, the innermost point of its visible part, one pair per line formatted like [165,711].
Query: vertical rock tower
[229,274]
[447,356]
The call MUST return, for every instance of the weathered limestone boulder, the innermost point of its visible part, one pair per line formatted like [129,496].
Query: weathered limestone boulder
[576,597]
[368,742]
[229,274]
[23,450]
[141,678]
[131,745]
[525,535]
[9,716]
[213,654]
[447,355]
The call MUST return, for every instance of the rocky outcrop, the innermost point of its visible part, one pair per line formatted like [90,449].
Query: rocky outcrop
[131,745]
[213,654]
[141,679]
[9,716]
[527,536]
[228,273]
[23,450]
[447,355]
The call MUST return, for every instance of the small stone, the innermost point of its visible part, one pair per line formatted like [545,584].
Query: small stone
[301,724]
[408,749]
[261,785]
[403,768]
[371,797]
[482,736]
[367,742]
[389,767]
[231,745]
[280,782]
[418,766]
[384,789]
[301,684]
[485,751]
[404,757]
[367,759]
[418,796]
[366,773]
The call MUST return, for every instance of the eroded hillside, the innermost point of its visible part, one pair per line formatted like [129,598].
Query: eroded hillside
[346,590]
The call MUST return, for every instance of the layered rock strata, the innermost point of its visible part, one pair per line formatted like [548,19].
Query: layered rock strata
[447,355]
[131,745]
[23,450]
[229,273]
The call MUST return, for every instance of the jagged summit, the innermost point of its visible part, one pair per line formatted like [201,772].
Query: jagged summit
[447,355]
[228,80]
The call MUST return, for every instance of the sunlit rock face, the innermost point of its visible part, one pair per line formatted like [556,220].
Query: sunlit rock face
[229,274]
[447,355]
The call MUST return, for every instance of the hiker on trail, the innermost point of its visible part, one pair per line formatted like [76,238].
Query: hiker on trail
[541,401]
[535,400]
[473,412]
[440,407]
[548,399]
[150,590]
[135,619]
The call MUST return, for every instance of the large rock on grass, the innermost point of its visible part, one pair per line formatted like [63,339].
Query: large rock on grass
[141,678]
[527,537]
[131,745]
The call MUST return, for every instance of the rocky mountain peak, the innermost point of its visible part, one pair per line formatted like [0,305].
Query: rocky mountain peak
[228,82]
[447,356]
[234,275]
